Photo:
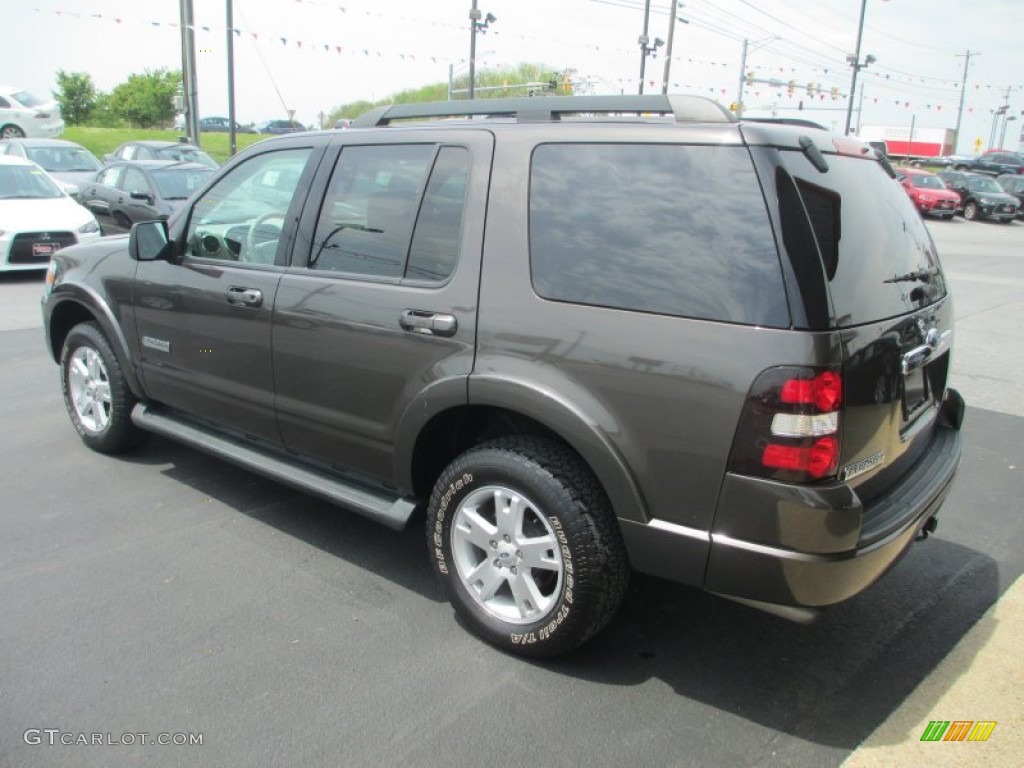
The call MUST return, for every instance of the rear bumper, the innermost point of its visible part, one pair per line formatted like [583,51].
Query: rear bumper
[810,546]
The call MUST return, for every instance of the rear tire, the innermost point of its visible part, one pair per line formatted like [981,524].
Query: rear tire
[525,544]
[11,132]
[96,393]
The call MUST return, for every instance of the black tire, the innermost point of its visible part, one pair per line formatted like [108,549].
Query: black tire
[11,132]
[562,504]
[96,394]
[971,211]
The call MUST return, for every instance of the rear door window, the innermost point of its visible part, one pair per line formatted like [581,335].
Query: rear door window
[667,229]
[879,260]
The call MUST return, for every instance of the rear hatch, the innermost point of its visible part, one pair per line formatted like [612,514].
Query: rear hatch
[884,298]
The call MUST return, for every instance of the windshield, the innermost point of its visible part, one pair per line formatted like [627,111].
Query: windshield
[927,182]
[63,159]
[21,182]
[983,185]
[180,183]
[187,154]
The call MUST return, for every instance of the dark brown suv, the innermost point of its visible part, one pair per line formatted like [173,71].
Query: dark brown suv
[585,334]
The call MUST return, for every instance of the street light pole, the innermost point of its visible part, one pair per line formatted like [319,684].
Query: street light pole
[644,40]
[856,68]
[672,19]
[474,17]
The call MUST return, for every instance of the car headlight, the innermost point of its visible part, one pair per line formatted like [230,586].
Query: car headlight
[987,201]
[927,199]
[89,227]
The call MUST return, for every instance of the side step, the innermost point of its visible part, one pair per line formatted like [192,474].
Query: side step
[392,511]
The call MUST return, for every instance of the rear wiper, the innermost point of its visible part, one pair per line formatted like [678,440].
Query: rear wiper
[922,275]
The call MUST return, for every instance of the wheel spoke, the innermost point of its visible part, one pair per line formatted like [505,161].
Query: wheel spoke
[541,552]
[488,577]
[528,597]
[103,392]
[472,527]
[79,371]
[509,508]
[92,362]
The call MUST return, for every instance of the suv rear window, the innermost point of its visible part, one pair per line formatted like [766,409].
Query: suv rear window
[869,235]
[668,229]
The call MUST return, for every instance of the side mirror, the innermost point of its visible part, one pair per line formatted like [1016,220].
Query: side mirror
[148,241]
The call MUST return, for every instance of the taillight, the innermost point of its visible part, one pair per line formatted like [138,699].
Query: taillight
[790,426]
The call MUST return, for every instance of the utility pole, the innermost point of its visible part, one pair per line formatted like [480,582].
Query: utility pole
[743,79]
[856,68]
[232,139]
[188,71]
[963,91]
[668,45]
[860,108]
[644,40]
[474,17]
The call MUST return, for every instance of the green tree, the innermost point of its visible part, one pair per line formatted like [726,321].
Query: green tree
[76,95]
[522,80]
[146,100]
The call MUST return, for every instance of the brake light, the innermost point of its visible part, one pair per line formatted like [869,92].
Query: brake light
[824,391]
[791,424]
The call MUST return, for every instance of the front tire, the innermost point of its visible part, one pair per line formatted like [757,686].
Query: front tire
[971,211]
[526,545]
[96,393]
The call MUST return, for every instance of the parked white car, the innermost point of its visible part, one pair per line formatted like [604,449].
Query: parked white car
[37,218]
[24,115]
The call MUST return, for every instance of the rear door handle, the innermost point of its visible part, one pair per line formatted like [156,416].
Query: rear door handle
[428,323]
[244,297]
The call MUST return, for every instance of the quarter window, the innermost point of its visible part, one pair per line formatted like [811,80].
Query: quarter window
[667,229]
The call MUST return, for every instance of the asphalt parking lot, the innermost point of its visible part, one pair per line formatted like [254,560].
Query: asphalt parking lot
[170,593]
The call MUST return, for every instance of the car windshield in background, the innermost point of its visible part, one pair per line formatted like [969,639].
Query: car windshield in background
[187,154]
[983,185]
[62,159]
[927,182]
[180,183]
[26,99]
[22,182]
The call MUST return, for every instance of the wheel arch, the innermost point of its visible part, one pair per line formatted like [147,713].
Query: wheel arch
[499,407]
[77,304]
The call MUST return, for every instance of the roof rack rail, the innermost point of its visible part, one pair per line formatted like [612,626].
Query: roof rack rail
[799,121]
[551,108]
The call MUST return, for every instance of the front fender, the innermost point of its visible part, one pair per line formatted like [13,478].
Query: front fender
[72,303]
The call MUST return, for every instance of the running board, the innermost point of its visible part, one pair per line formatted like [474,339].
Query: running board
[394,512]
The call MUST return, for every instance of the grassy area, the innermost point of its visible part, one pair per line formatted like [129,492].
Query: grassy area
[101,141]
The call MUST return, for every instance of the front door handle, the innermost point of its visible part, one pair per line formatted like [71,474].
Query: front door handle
[244,297]
[428,323]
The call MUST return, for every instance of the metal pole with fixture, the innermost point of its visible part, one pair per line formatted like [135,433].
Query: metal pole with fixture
[856,68]
[232,138]
[474,17]
[644,40]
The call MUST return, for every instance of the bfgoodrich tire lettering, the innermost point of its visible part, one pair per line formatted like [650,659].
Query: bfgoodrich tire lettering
[526,545]
[96,394]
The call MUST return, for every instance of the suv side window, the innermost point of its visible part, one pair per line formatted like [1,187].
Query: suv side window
[383,218]
[242,216]
[668,229]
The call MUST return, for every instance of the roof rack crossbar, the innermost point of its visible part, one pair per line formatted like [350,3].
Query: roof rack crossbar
[551,108]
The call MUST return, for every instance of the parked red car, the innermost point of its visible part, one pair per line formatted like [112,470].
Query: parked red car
[929,193]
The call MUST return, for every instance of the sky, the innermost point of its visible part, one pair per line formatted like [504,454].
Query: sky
[311,56]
